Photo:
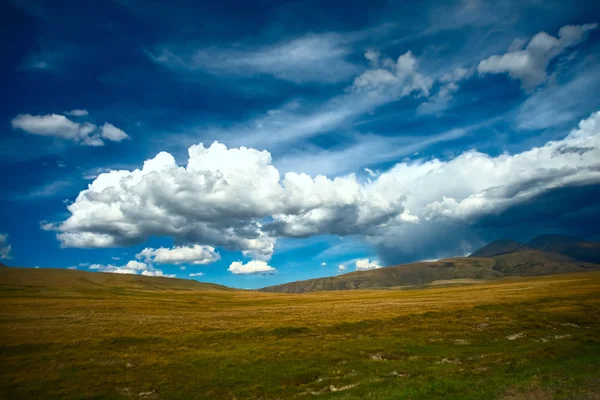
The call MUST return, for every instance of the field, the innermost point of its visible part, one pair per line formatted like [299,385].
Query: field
[513,338]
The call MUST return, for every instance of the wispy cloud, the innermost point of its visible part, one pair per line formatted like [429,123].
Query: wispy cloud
[310,58]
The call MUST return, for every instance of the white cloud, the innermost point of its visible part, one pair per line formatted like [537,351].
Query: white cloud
[195,254]
[341,267]
[396,78]
[132,267]
[236,198]
[197,274]
[77,113]
[59,126]
[72,267]
[251,267]
[440,101]
[364,264]
[111,132]
[84,264]
[323,264]
[311,58]
[5,247]
[529,65]
[115,258]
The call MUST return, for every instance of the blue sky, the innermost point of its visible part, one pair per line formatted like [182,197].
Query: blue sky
[260,143]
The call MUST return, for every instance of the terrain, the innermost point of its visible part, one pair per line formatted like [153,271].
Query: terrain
[75,335]
[543,255]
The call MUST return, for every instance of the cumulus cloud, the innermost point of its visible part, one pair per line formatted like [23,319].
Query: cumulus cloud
[251,267]
[311,58]
[323,264]
[132,267]
[236,199]
[197,274]
[195,254]
[529,64]
[364,264]
[341,267]
[400,77]
[5,247]
[59,126]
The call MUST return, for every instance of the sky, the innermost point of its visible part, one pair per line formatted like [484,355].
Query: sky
[256,143]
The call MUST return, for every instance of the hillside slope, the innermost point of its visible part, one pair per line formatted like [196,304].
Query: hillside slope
[402,275]
[50,278]
[498,247]
[568,245]
[526,262]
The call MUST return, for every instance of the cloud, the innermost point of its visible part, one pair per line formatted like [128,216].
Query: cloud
[441,100]
[132,267]
[195,254]
[529,64]
[559,104]
[111,132]
[364,264]
[236,199]
[72,267]
[59,126]
[49,190]
[77,113]
[197,274]
[311,58]
[399,78]
[341,267]
[298,121]
[251,267]
[5,247]
[323,264]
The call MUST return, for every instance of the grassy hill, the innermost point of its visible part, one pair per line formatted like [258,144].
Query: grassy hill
[50,279]
[402,275]
[523,261]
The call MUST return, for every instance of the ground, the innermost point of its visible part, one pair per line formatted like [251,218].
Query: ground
[515,338]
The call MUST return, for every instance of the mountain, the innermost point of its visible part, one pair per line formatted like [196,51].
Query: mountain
[568,245]
[61,279]
[498,247]
[402,275]
[543,255]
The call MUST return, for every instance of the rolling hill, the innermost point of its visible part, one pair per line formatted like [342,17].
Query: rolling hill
[544,255]
[61,279]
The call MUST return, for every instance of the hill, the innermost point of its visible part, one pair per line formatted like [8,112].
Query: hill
[498,247]
[568,245]
[61,279]
[524,262]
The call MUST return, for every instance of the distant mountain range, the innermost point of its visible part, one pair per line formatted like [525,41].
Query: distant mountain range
[543,255]
[567,245]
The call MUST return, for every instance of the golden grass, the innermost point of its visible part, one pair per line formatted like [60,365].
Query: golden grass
[72,341]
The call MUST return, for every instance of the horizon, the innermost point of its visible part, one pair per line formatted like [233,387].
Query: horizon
[267,145]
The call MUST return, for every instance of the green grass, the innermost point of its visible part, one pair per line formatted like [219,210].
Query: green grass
[74,342]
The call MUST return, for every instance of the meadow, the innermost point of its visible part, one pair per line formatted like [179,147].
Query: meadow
[513,338]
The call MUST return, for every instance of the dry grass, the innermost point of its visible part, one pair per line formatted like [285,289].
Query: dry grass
[76,341]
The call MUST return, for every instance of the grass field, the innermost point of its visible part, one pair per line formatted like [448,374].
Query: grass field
[534,338]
